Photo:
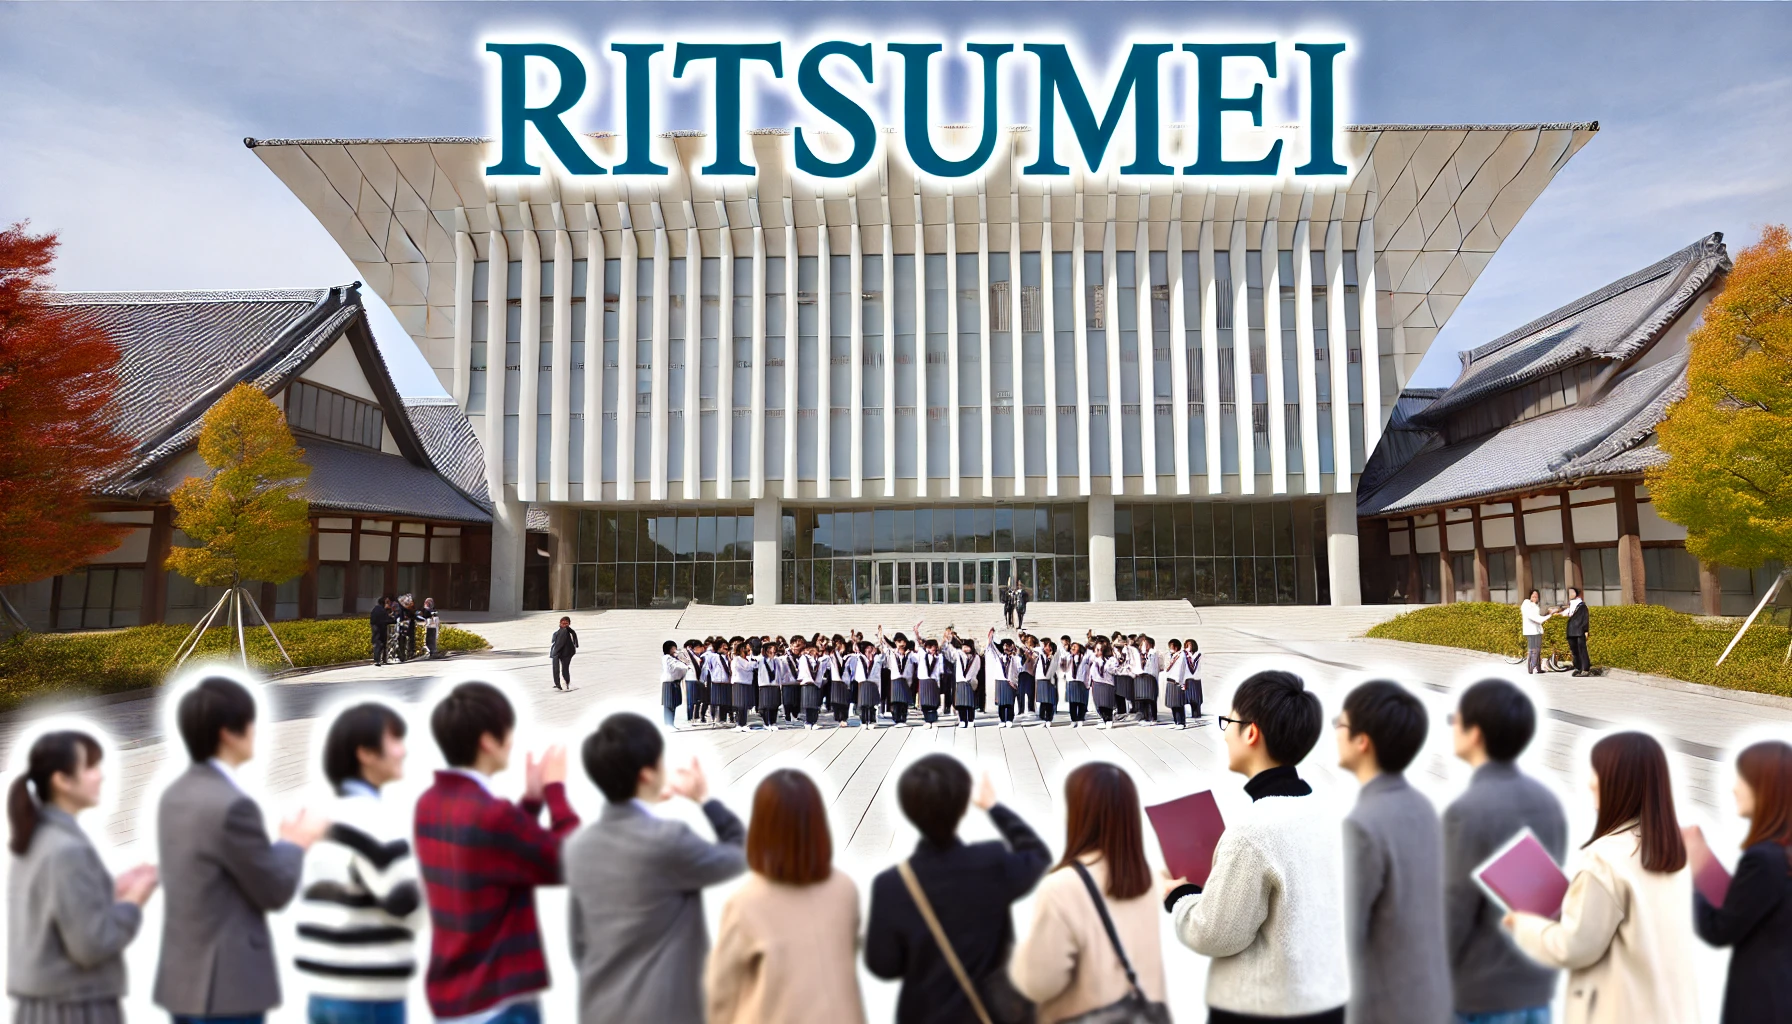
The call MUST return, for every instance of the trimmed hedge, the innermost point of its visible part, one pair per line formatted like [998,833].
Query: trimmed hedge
[1641,638]
[81,664]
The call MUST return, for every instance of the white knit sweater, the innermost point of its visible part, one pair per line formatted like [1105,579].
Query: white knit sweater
[1272,913]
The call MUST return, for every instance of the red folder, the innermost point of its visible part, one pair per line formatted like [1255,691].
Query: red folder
[1708,874]
[1188,829]
[1524,878]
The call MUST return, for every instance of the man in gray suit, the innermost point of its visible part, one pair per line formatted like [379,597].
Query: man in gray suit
[1393,864]
[637,880]
[221,873]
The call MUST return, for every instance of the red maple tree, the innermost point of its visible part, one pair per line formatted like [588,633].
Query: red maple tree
[57,432]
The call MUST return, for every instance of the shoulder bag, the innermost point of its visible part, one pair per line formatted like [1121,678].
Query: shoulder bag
[1133,1007]
[996,1002]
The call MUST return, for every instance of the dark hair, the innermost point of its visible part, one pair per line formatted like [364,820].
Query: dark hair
[615,753]
[933,792]
[54,753]
[470,711]
[1533,592]
[1574,591]
[362,727]
[1634,786]
[216,703]
[1102,816]
[1283,709]
[788,840]
[1767,768]
[1393,718]
[1506,717]
[668,647]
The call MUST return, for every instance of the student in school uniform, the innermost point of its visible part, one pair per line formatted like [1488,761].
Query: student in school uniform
[1126,666]
[949,669]
[863,667]
[1003,673]
[746,695]
[1175,671]
[1076,685]
[840,686]
[1102,671]
[1144,684]
[807,665]
[719,694]
[788,682]
[672,672]
[927,683]
[1051,664]
[964,689]
[766,685]
[1191,682]
[1027,677]
[694,686]
[900,664]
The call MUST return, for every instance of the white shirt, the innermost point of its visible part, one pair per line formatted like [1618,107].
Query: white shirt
[229,774]
[672,668]
[1533,617]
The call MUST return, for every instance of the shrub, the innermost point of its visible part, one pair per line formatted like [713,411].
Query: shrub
[34,665]
[1641,638]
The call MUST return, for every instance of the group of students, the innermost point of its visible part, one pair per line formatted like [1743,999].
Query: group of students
[1123,675]
[1305,918]
[392,626]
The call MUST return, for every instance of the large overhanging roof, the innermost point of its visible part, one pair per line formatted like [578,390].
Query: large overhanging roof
[1442,199]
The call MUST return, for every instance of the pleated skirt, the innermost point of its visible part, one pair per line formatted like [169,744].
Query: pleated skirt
[965,695]
[1076,692]
[671,694]
[1144,687]
[928,693]
[1104,694]
[46,1011]
[1123,687]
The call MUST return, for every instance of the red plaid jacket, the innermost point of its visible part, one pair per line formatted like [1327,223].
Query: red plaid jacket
[481,858]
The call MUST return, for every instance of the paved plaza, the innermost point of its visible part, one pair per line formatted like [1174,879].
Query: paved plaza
[856,767]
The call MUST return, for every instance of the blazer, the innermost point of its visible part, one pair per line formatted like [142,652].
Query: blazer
[220,877]
[635,882]
[1577,619]
[1756,919]
[1624,937]
[775,942]
[971,886]
[1394,906]
[564,644]
[66,933]
[1067,964]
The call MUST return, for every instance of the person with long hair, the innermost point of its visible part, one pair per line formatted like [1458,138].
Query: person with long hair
[1625,928]
[1755,919]
[1069,962]
[795,918]
[68,921]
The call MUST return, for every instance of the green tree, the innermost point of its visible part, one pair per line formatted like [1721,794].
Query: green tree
[1729,476]
[248,521]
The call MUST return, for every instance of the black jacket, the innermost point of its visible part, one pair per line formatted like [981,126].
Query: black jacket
[379,618]
[972,888]
[1756,919]
[565,642]
[1577,621]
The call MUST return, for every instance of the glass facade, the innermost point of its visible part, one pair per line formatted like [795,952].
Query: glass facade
[933,555]
[645,559]
[1266,552]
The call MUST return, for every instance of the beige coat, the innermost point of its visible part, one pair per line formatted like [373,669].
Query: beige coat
[775,941]
[1625,937]
[1066,963]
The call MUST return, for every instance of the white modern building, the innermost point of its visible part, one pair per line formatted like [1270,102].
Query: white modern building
[914,390]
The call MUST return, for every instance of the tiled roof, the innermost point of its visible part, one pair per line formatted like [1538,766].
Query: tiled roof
[1400,440]
[355,479]
[451,444]
[536,519]
[1613,324]
[1573,443]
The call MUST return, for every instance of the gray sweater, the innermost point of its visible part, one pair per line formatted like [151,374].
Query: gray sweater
[1489,972]
[1394,906]
[66,930]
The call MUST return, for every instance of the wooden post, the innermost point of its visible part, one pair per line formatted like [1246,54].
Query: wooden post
[1522,551]
[1415,584]
[155,572]
[1446,572]
[351,583]
[308,582]
[392,559]
[1630,547]
[1483,586]
[1711,595]
[1571,575]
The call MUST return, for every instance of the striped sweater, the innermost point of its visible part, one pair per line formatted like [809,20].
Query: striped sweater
[481,858]
[359,903]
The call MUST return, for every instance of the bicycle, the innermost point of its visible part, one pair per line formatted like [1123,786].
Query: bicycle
[1553,658]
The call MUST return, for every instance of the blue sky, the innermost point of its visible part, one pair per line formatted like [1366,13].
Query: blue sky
[123,122]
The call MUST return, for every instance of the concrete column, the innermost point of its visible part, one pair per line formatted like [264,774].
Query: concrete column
[510,538]
[1340,549]
[1630,549]
[767,514]
[1710,590]
[563,538]
[1101,547]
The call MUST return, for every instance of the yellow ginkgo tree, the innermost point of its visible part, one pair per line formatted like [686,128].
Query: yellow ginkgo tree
[248,518]
[1728,478]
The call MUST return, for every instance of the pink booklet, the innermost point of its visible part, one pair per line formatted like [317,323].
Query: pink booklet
[1188,829]
[1522,877]
[1708,874]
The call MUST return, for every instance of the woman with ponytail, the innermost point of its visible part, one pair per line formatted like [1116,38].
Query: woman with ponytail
[68,921]
[1626,923]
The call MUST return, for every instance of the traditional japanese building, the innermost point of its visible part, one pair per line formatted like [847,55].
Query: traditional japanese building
[397,489]
[1528,470]
[900,388]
